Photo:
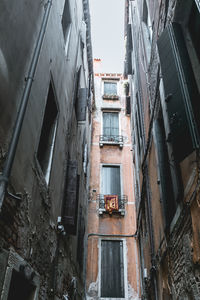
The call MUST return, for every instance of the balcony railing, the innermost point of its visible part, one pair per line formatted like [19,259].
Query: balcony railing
[122,200]
[111,139]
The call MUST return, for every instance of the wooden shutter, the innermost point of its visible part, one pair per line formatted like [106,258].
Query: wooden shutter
[76,85]
[180,91]
[128,105]
[129,47]
[71,198]
[166,187]
[81,234]
[81,104]
[112,269]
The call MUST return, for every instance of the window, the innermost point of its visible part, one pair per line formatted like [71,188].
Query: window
[110,124]
[66,23]
[48,135]
[111,130]
[110,88]
[18,279]
[111,180]
[20,287]
[112,269]
[181,93]
[111,198]
[146,31]
[139,127]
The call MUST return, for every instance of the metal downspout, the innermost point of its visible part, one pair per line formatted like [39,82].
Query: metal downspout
[4,177]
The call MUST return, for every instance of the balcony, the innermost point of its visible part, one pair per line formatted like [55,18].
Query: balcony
[112,203]
[111,140]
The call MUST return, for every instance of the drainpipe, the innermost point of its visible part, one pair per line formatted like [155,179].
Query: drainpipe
[4,177]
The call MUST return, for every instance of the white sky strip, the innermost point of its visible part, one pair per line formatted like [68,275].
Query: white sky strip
[107,19]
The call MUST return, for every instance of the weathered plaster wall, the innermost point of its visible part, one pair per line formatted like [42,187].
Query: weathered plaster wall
[176,250]
[111,224]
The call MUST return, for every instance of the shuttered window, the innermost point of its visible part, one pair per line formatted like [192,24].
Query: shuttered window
[194,28]
[81,104]
[180,91]
[110,88]
[128,105]
[112,269]
[129,48]
[71,198]
[110,124]
[166,188]
[111,180]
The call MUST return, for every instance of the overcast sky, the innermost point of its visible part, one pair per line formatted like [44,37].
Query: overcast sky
[107,21]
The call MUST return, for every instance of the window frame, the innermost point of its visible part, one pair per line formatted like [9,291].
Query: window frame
[115,142]
[112,83]
[102,165]
[107,96]
[67,33]
[51,155]
[123,240]
[120,173]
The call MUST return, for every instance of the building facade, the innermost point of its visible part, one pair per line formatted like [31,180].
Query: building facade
[112,262]
[163,67]
[46,82]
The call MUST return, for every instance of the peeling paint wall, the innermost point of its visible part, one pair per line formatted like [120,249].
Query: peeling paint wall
[114,224]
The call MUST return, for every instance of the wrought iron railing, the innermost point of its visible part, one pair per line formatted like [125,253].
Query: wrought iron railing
[111,138]
[122,200]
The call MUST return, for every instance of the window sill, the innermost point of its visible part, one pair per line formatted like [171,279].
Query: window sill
[111,140]
[110,97]
[114,212]
[120,144]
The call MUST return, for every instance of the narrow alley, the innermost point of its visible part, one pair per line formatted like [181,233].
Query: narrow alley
[99,150]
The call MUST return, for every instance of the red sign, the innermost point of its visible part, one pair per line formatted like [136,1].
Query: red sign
[111,203]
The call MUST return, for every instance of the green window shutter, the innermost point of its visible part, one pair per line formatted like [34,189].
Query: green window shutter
[128,105]
[180,91]
[129,48]
[112,269]
[81,104]
[71,198]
